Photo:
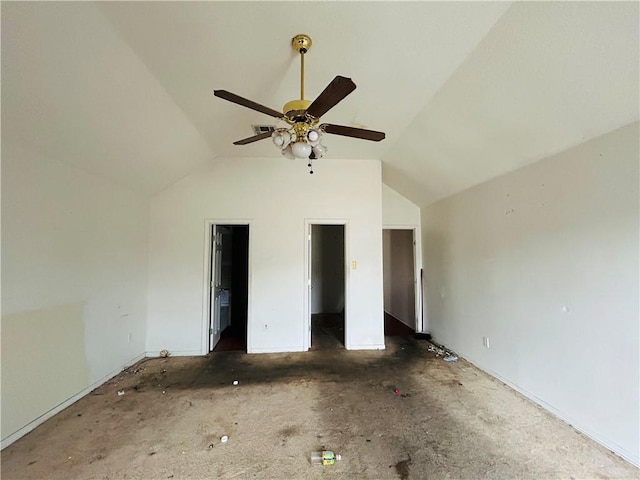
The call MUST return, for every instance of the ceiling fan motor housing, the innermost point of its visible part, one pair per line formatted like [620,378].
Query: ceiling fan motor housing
[295,108]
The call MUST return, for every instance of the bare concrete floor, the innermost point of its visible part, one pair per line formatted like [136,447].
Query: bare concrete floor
[449,421]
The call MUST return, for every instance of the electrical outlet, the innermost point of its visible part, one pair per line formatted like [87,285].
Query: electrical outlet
[485,341]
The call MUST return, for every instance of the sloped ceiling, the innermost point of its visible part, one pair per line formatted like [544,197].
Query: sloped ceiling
[464,91]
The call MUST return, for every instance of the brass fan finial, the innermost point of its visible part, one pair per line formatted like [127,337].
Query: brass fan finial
[301,43]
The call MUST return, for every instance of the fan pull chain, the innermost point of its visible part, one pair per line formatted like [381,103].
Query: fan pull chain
[310,167]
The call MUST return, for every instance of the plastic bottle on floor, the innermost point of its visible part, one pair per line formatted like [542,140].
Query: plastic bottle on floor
[324,457]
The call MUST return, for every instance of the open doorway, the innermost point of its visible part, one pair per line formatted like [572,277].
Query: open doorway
[399,274]
[327,286]
[229,287]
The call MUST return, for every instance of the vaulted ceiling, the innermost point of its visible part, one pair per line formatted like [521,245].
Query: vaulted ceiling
[464,91]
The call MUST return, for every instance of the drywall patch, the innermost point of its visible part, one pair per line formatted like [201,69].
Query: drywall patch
[43,362]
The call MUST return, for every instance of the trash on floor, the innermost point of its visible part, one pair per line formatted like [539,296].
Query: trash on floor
[437,350]
[324,457]
[447,355]
[224,439]
[235,382]
[164,353]
[120,393]
[396,391]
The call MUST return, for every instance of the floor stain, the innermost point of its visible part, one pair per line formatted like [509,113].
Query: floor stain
[288,405]
[402,468]
[289,431]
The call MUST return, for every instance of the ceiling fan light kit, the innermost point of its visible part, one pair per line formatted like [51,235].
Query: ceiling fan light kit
[302,138]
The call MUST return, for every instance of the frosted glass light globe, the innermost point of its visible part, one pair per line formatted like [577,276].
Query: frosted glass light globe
[301,150]
[287,153]
[313,135]
[278,141]
[281,138]
[319,150]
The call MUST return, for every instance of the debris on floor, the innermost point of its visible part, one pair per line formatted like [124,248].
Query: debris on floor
[438,351]
[136,367]
[324,457]
[439,423]
[235,382]
[120,393]
[164,353]
[224,439]
[447,355]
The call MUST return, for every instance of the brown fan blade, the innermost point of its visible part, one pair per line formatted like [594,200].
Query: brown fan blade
[352,132]
[335,92]
[255,138]
[232,97]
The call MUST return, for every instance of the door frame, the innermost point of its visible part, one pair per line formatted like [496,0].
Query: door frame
[420,319]
[308,222]
[206,276]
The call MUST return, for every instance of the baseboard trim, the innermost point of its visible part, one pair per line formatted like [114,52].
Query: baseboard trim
[297,348]
[5,442]
[374,346]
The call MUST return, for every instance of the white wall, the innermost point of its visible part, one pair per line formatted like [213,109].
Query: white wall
[74,259]
[544,261]
[275,196]
[400,213]
[397,210]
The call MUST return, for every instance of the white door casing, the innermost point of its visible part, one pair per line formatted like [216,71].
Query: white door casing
[214,286]
[308,274]
[210,339]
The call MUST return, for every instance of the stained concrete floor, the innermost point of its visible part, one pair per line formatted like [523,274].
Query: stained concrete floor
[449,421]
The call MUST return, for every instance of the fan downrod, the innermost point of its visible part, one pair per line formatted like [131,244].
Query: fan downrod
[294,111]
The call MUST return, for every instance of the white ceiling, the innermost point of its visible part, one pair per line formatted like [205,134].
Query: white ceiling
[464,91]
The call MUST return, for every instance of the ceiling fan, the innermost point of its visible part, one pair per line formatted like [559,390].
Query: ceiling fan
[302,138]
